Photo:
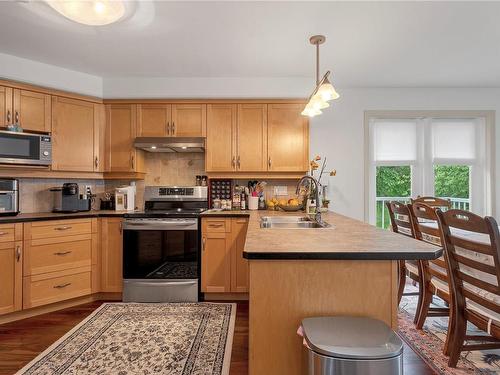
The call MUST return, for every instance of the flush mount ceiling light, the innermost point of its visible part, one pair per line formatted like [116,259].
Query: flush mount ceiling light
[93,13]
[324,91]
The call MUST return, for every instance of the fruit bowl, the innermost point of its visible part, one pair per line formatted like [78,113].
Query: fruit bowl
[291,208]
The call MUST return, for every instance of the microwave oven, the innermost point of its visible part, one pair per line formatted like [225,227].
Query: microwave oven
[25,148]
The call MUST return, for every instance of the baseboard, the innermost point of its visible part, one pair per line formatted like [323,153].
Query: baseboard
[226,296]
[28,313]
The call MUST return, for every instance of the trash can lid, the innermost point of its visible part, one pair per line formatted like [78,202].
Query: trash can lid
[351,337]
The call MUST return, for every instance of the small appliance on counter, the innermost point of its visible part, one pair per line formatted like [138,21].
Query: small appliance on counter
[68,199]
[108,202]
[125,198]
[9,197]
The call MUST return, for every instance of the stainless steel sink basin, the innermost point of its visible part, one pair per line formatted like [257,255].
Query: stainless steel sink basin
[290,222]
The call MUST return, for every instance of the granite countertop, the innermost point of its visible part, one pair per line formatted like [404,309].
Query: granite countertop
[39,216]
[346,239]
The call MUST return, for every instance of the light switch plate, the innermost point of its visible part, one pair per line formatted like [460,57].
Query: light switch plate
[280,190]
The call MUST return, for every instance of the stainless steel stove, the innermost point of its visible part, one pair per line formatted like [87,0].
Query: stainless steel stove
[161,246]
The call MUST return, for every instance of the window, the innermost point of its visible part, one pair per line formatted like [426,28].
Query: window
[426,154]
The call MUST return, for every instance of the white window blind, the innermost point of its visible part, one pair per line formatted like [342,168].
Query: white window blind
[454,139]
[394,140]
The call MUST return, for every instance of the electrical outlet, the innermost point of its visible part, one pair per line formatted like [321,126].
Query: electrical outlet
[280,190]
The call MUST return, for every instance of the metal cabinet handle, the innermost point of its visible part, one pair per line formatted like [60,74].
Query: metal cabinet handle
[96,162]
[238,162]
[8,116]
[18,253]
[61,253]
[173,127]
[63,228]
[132,161]
[17,117]
[203,244]
[61,286]
[269,162]
[121,228]
[3,233]
[233,162]
[168,128]
[215,225]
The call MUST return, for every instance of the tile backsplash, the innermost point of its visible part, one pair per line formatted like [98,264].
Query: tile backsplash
[165,169]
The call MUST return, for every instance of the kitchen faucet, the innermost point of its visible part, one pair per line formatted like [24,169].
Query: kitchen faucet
[317,216]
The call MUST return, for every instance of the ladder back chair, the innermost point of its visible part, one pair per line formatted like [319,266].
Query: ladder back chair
[401,223]
[433,202]
[472,246]
[434,273]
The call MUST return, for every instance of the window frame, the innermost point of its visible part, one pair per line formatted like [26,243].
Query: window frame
[481,182]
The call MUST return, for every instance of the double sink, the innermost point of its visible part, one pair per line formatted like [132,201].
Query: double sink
[291,222]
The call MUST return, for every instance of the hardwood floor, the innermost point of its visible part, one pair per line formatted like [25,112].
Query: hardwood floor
[22,341]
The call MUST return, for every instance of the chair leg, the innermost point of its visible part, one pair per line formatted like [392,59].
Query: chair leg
[402,281]
[424,308]
[419,301]
[451,332]
[457,342]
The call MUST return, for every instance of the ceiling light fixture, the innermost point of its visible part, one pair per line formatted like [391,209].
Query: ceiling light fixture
[324,91]
[92,13]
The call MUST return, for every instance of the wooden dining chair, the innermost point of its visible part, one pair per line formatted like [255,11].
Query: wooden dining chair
[433,202]
[401,223]
[433,273]
[473,260]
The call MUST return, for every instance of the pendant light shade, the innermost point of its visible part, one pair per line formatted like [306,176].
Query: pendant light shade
[92,13]
[324,90]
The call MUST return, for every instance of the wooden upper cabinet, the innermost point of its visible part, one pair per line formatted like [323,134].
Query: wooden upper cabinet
[220,153]
[121,155]
[32,110]
[251,138]
[287,138]
[74,123]
[189,120]
[153,120]
[6,115]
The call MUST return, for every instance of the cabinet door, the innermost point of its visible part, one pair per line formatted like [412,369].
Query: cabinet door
[121,156]
[111,255]
[189,120]
[73,126]
[11,276]
[6,116]
[216,256]
[221,128]
[288,138]
[251,138]
[32,110]
[99,137]
[153,120]
[239,265]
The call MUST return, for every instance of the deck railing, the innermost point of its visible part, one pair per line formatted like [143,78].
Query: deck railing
[383,218]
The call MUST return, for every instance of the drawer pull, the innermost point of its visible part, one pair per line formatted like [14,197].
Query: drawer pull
[3,233]
[215,225]
[18,253]
[63,228]
[61,253]
[61,286]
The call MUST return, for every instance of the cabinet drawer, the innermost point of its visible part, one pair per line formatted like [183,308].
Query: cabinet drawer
[211,225]
[53,287]
[7,232]
[59,228]
[50,255]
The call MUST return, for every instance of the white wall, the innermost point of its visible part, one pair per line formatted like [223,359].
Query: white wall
[29,71]
[338,133]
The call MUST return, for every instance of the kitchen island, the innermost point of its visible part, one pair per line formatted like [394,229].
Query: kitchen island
[349,268]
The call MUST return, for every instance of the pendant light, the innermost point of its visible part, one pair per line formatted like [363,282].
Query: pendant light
[324,91]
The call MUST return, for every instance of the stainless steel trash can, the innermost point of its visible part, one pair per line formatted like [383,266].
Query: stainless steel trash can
[343,345]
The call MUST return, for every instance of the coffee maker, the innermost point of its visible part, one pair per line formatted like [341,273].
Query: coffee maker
[68,199]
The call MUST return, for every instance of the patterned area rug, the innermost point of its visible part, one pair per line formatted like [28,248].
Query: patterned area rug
[137,338]
[429,342]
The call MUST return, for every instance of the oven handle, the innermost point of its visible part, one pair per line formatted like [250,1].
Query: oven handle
[169,283]
[166,225]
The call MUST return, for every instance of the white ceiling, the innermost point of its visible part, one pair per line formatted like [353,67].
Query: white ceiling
[371,44]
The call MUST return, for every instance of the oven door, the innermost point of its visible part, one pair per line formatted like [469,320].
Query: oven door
[161,260]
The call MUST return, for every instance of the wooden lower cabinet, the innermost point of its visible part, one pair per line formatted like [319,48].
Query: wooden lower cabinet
[223,270]
[111,254]
[11,261]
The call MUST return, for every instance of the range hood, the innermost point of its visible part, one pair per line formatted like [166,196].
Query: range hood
[170,144]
